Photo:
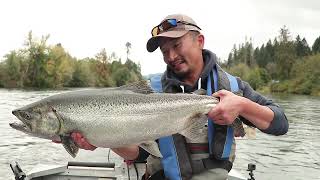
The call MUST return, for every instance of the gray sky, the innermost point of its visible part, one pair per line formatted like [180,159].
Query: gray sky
[84,27]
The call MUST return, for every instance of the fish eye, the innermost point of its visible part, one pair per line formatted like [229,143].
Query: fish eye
[26,115]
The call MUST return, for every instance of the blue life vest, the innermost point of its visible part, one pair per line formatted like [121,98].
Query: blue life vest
[167,147]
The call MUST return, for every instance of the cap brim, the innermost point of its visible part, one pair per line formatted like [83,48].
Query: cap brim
[153,43]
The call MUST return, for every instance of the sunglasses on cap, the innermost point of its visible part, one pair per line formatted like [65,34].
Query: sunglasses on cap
[167,24]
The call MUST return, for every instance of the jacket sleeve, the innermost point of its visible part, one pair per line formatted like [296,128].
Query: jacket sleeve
[279,124]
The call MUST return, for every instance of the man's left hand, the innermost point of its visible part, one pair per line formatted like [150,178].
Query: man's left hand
[228,109]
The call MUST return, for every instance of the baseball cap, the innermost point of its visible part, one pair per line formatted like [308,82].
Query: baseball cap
[172,26]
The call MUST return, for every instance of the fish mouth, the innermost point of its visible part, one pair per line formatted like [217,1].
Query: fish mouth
[21,126]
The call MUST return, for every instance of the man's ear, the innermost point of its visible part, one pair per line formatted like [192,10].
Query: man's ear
[200,40]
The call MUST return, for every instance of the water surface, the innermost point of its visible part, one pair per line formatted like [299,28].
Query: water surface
[290,157]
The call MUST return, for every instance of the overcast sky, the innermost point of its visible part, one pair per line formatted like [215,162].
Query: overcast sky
[84,27]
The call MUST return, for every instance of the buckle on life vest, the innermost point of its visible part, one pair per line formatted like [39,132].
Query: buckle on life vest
[198,148]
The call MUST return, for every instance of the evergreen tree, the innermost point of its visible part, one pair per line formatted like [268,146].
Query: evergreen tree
[256,56]
[285,54]
[316,46]
[269,52]
[302,47]
[230,59]
[261,57]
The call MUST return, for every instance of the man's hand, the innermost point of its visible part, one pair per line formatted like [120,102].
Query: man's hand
[228,109]
[80,141]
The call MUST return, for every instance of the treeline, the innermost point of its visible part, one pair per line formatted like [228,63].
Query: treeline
[282,65]
[38,65]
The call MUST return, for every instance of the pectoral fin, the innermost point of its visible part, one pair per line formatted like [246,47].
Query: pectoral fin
[152,148]
[69,145]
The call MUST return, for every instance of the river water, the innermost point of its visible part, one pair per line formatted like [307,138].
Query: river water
[290,157]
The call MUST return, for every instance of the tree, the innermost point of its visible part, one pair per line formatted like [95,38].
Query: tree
[2,74]
[59,67]
[256,56]
[230,59]
[285,54]
[302,47]
[102,69]
[272,70]
[316,46]
[284,34]
[265,55]
[82,75]
[269,52]
[13,69]
[38,54]
[133,67]
[244,54]
[234,56]
[306,75]
[102,56]
[248,53]
[275,43]
[285,57]
[128,47]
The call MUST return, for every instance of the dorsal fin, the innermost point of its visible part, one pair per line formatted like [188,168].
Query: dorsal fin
[138,87]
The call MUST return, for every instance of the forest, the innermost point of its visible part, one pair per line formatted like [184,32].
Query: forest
[284,64]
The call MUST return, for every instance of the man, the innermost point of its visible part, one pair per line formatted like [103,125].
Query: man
[191,67]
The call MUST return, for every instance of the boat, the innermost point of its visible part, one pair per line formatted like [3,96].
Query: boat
[90,171]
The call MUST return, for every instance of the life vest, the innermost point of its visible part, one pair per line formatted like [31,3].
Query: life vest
[176,161]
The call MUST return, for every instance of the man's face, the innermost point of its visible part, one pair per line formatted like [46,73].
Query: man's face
[183,55]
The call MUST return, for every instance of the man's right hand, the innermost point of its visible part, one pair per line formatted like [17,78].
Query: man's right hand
[80,141]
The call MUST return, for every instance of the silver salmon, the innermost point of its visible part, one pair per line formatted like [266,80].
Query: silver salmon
[115,117]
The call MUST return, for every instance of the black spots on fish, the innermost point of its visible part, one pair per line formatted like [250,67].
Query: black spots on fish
[95,104]
[90,104]
[53,110]
[119,104]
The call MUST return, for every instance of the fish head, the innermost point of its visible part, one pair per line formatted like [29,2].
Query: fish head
[37,120]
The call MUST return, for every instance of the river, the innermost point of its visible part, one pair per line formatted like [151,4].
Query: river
[293,156]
